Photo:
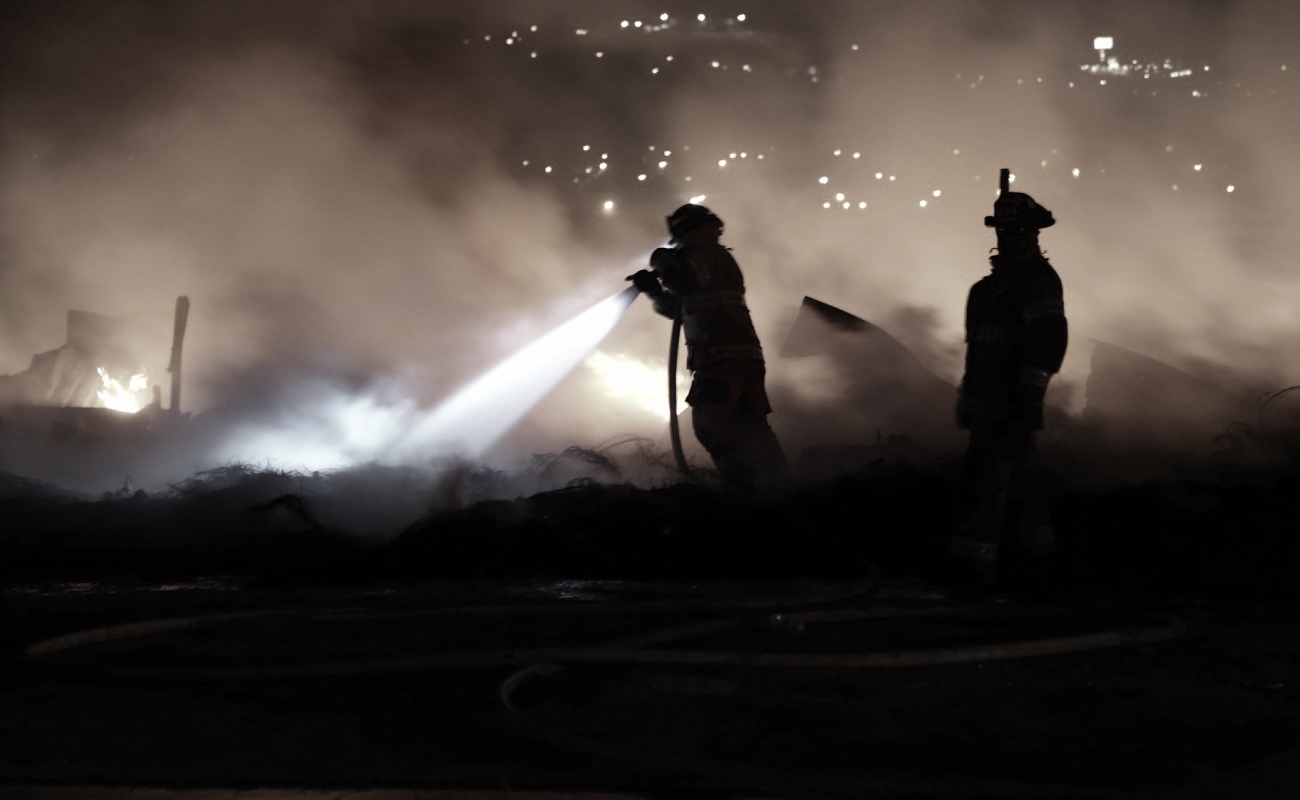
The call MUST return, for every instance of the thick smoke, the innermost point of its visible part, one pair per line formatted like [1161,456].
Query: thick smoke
[353,195]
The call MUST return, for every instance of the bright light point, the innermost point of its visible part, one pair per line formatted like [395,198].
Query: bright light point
[1232,188]
[533,29]
[716,65]
[663,17]
[697,199]
[533,54]
[641,177]
[827,204]
[548,169]
[839,197]
[863,204]
[525,163]
[854,47]
[744,155]
[663,164]
[937,193]
[700,17]
[893,177]
[599,54]
[1197,167]
[956,152]
[603,165]
[824,180]
[732,155]
[740,17]
[1103,43]
[609,205]
[722,162]
[1042,163]
[586,147]
[669,58]
[1075,172]
[667,153]
[837,152]
[879,175]
[857,155]
[847,206]
[747,68]
[623,24]
[924,203]
[654,70]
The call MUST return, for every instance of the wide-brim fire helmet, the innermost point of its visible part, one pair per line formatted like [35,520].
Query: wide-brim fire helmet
[689,217]
[1018,210]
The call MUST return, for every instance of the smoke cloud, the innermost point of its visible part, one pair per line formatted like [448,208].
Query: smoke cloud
[379,201]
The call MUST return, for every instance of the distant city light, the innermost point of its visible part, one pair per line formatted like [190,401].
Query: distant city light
[1232,188]
[1196,167]
[609,205]
[824,180]
[740,17]
[700,17]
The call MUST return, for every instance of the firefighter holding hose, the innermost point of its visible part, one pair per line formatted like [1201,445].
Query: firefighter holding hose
[1016,337]
[697,282]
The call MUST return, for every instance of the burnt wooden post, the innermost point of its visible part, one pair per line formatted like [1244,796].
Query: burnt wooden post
[178,340]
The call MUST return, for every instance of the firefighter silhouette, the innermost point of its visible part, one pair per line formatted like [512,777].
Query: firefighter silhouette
[698,281]
[1016,337]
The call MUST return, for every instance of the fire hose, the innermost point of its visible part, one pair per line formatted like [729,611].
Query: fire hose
[674,429]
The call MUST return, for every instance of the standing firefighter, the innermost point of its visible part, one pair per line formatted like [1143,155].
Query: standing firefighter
[698,282]
[1016,338]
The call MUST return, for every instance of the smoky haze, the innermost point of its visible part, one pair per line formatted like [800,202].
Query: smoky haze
[355,196]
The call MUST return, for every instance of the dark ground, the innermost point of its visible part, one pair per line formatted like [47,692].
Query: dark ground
[345,666]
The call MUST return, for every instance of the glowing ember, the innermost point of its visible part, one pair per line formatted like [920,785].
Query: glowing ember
[130,398]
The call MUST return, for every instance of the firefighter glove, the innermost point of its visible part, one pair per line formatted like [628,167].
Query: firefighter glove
[646,281]
[662,257]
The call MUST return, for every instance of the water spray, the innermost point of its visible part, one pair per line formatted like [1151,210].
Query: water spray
[476,416]
[344,428]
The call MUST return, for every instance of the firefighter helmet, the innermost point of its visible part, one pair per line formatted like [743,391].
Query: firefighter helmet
[1018,210]
[689,217]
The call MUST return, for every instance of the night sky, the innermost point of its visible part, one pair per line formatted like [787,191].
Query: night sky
[373,202]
